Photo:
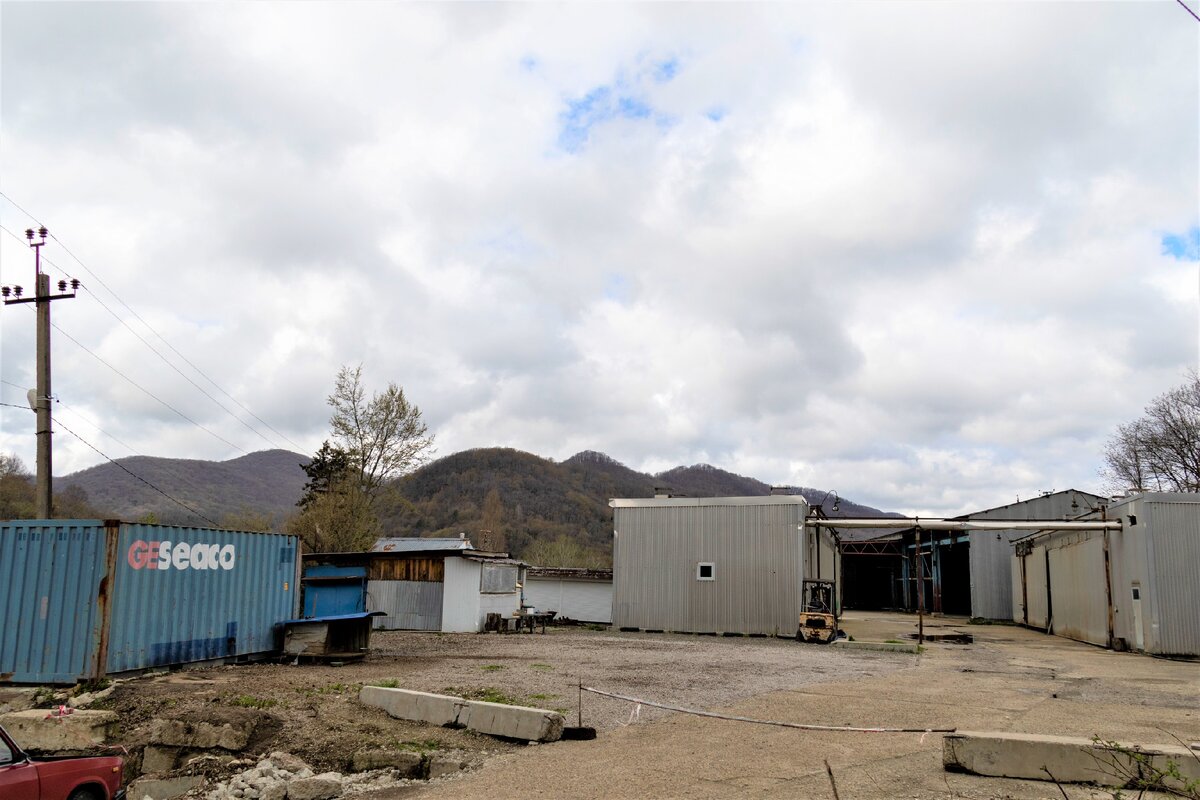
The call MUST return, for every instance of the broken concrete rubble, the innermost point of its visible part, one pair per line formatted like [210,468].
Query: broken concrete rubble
[405,762]
[163,788]
[233,734]
[318,787]
[281,776]
[75,732]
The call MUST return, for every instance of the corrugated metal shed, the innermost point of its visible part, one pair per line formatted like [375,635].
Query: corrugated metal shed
[1143,596]
[710,565]
[96,597]
[991,551]
[1173,557]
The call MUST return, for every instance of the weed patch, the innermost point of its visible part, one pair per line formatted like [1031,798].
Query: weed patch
[488,694]
[249,701]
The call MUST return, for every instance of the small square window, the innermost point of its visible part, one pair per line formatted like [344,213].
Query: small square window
[706,571]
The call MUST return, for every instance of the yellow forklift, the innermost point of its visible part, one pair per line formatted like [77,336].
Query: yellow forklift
[818,619]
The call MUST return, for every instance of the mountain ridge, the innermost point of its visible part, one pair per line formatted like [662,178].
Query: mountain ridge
[532,499]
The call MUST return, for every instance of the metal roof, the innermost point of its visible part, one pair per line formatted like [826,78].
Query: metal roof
[571,573]
[666,502]
[413,544]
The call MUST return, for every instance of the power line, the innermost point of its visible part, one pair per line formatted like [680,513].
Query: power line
[14,405]
[177,502]
[160,337]
[66,407]
[164,359]
[147,392]
[1193,13]
[199,388]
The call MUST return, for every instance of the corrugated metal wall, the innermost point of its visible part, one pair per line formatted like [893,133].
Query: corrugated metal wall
[989,550]
[757,552]
[1035,587]
[79,599]
[1174,556]
[991,553]
[409,605]
[580,600]
[210,594]
[1156,553]
[51,576]
[1079,596]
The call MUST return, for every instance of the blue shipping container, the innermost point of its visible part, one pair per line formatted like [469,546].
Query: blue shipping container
[82,598]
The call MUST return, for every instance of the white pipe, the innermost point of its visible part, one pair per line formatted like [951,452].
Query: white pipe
[966,525]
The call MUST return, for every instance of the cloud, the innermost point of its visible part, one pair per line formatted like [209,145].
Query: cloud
[926,257]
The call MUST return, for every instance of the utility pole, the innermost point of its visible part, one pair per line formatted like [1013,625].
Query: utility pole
[41,401]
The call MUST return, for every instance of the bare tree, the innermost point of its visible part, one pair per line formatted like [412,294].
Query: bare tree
[1160,450]
[385,436]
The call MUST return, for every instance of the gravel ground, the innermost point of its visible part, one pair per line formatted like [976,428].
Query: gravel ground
[1008,679]
[312,710]
[545,671]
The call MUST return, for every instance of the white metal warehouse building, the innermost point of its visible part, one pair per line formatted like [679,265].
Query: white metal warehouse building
[715,564]
[1134,588]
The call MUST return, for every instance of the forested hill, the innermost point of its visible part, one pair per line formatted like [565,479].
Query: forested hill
[265,484]
[525,499]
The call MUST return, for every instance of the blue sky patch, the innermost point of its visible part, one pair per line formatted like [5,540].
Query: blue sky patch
[617,287]
[666,70]
[716,114]
[529,63]
[625,98]
[1183,246]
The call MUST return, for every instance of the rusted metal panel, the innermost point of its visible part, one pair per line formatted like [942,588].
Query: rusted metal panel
[52,573]
[112,536]
[408,605]
[756,547]
[407,569]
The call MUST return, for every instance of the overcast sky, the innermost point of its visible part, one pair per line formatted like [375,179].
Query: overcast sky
[928,255]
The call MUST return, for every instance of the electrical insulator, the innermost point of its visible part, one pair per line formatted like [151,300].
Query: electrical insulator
[62,286]
[74,284]
[17,291]
[5,291]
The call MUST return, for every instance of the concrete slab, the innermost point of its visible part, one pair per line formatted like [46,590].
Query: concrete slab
[1068,759]
[514,722]
[81,730]
[495,719]
[436,709]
